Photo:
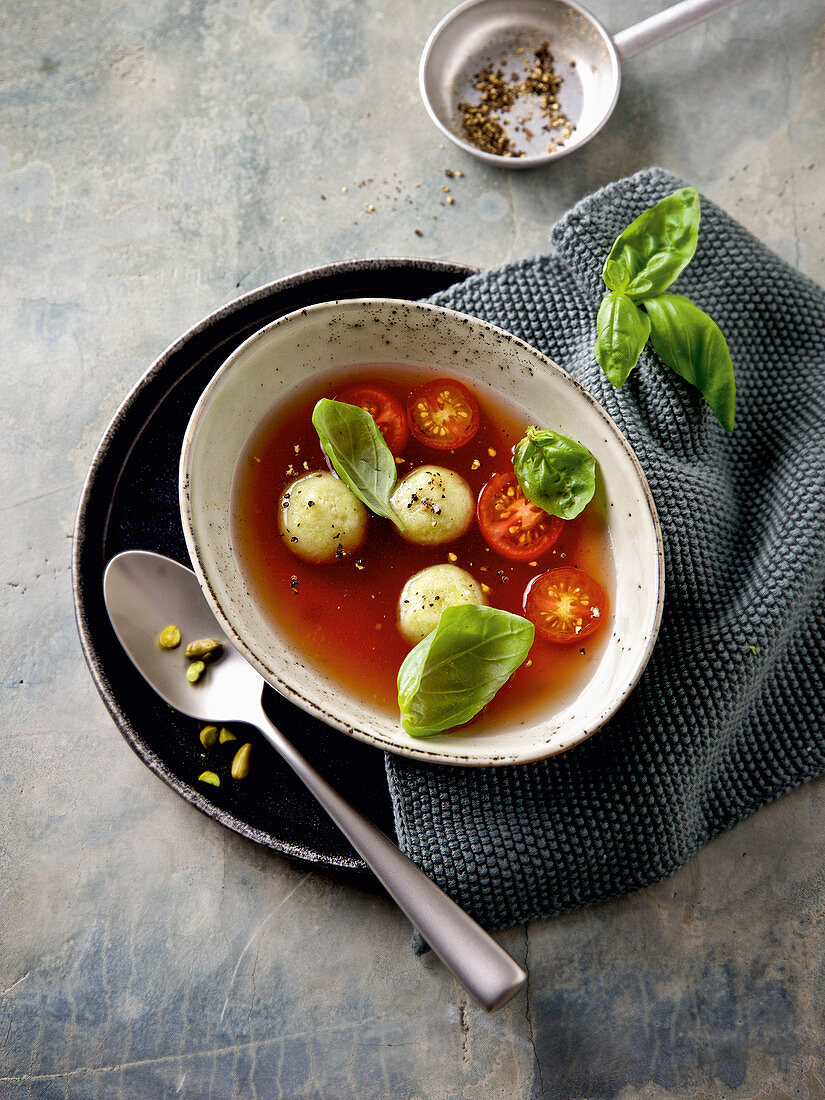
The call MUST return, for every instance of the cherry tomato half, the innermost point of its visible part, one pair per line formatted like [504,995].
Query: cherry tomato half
[385,409]
[511,523]
[443,414]
[565,604]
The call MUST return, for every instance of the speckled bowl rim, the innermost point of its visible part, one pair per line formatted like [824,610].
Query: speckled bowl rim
[417,750]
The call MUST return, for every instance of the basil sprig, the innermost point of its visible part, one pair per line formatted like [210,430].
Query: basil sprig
[358,453]
[458,668]
[643,262]
[556,473]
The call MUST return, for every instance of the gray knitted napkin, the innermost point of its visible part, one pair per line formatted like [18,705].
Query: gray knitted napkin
[715,728]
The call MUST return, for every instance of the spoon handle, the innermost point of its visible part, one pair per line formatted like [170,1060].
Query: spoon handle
[673,20]
[477,961]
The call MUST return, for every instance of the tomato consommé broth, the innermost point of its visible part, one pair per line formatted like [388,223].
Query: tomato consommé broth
[342,615]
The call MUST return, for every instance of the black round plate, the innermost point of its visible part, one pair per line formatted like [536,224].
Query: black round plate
[130,502]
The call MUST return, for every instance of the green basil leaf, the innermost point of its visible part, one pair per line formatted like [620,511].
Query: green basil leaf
[358,452]
[555,473]
[458,668]
[623,330]
[656,247]
[692,344]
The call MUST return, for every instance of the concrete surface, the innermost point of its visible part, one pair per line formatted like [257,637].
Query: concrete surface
[157,159]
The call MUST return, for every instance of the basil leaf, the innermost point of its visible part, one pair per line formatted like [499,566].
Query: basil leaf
[458,668]
[656,247]
[555,473]
[692,344]
[623,331]
[358,452]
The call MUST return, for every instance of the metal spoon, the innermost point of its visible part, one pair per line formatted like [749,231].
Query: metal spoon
[504,32]
[145,592]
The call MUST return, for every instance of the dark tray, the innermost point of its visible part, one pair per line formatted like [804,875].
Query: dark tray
[130,501]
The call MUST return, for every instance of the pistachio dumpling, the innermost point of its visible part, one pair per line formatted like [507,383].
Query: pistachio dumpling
[319,517]
[434,505]
[426,594]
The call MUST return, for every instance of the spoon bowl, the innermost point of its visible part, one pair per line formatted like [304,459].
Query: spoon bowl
[144,593]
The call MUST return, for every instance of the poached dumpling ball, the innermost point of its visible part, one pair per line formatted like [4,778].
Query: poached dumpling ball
[434,505]
[426,594]
[318,514]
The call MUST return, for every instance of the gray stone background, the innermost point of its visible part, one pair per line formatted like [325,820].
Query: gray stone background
[157,158]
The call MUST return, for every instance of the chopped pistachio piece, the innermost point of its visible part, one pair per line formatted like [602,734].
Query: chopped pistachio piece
[240,765]
[209,737]
[169,637]
[195,672]
[226,735]
[209,777]
[204,649]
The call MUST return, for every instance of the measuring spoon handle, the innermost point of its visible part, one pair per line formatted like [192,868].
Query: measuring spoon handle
[679,17]
[471,954]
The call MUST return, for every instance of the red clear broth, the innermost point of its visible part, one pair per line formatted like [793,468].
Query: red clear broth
[341,615]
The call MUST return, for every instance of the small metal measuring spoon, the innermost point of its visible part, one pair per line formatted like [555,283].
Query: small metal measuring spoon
[145,592]
[504,33]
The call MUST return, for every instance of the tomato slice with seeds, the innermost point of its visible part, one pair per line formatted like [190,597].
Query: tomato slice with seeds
[443,414]
[565,605]
[511,523]
[384,407]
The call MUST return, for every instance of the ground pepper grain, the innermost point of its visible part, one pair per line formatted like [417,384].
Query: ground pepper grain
[484,122]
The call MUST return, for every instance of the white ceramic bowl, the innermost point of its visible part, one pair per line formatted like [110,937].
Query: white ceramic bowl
[272,365]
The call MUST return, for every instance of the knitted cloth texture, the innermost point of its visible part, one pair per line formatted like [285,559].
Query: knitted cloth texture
[715,728]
